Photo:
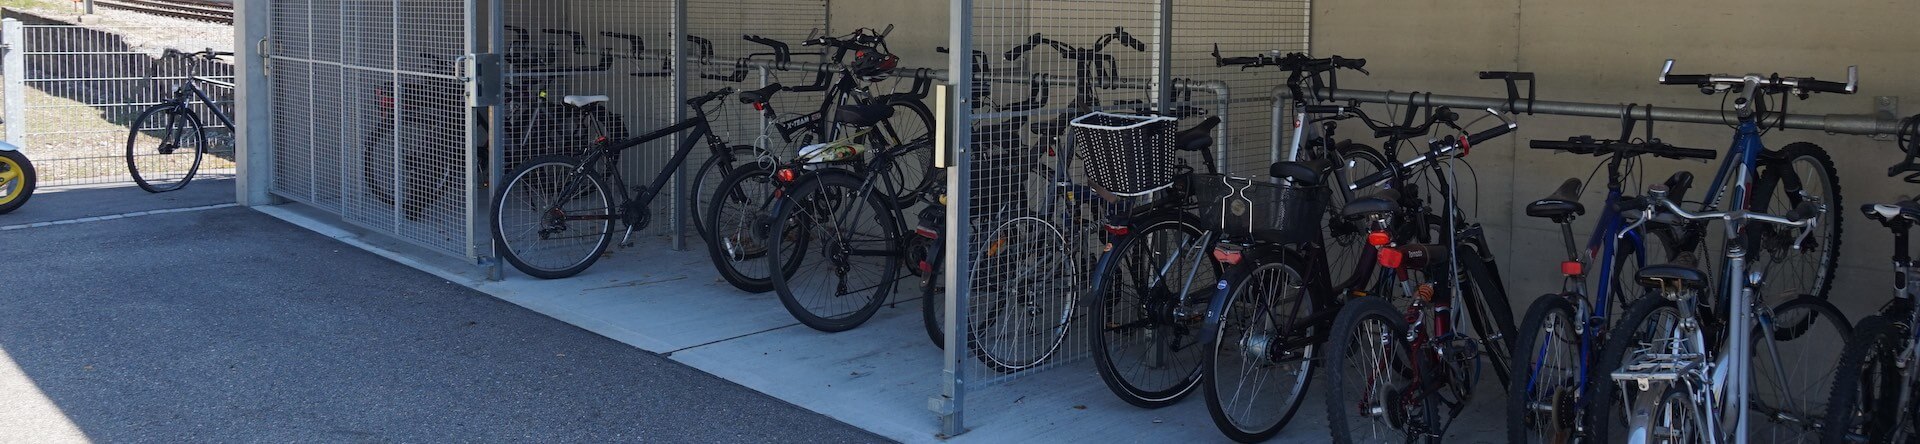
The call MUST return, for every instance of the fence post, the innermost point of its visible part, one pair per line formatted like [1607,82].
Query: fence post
[951,402]
[13,34]
[252,112]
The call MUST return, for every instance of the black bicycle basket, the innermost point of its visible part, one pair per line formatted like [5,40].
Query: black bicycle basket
[1127,155]
[1255,209]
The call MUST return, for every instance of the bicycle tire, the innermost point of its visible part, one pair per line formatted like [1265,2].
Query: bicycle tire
[913,173]
[1023,294]
[1114,275]
[708,177]
[1383,322]
[1799,369]
[739,213]
[161,163]
[933,306]
[1555,371]
[537,176]
[1867,367]
[810,204]
[1828,254]
[17,180]
[1247,284]
[1602,413]
[1482,303]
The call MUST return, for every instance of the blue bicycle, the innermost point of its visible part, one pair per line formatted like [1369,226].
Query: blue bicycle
[1561,331]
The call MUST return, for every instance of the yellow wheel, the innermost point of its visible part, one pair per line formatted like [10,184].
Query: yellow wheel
[16,180]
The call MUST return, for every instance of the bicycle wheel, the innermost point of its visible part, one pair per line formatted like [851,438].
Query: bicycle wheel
[712,172]
[164,147]
[740,212]
[1543,398]
[933,305]
[1652,325]
[1793,367]
[912,128]
[851,266]
[550,221]
[1864,405]
[1490,314]
[1805,170]
[1346,240]
[1677,419]
[1373,395]
[1027,282]
[1261,361]
[1147,342]
[17,180]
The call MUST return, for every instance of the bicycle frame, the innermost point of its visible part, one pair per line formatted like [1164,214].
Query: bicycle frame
[191,88]
[609,153]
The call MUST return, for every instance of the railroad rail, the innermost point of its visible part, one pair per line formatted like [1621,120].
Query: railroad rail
[193,10]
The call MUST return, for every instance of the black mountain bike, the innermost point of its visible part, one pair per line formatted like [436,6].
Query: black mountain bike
[166,143]
[556,214]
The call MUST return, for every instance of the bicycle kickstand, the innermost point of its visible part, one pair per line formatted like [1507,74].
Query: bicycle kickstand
[626,240]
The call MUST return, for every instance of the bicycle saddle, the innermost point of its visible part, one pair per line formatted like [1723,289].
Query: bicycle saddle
[1904,208]
[1658,275]
[1198,137]
[1304,173]
[761,95]
[1383,201]
[862,115]
[1562,205]
[584,101]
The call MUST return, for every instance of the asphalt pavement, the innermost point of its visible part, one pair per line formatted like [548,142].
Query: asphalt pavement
[229,325]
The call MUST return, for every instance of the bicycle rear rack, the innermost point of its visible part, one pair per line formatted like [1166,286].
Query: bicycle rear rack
[1664,367]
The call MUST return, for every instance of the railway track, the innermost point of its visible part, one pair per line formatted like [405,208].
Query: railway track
[192,10]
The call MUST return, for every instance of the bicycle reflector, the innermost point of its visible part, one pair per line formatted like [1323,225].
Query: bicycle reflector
[1118,230]
[1378,239]
[785,175]
[1391,257]
[1572,268]
[1227,255]
[759,106]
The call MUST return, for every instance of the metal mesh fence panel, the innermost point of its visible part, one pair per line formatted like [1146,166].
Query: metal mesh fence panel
[1036,226]
[370,116]
[85,88]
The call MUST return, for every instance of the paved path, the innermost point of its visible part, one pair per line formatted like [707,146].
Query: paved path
[229,325]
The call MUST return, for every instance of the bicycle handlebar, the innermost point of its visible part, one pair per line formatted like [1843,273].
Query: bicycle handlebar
[1291,62]
[1804,216]
[1597,147]
[1794,84]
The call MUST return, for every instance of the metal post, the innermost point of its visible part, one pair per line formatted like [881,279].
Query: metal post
[496,157]
[13,34]
[681,196]
[1163,58]
[252,109]
[951,403]
[477,198]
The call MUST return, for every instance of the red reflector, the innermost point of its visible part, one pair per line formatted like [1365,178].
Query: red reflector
[758,106]
[1118,230]
[785,175]
[1378,239]
[602,139]
[1572,268]
[1225,256]
[1391,258]
[1466,147]
[926,268]
[926,232]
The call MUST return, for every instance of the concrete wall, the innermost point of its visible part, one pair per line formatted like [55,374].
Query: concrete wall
[1610,52]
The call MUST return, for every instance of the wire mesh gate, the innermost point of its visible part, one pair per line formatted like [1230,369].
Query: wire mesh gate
[369,116]
[1029,232]
[83,85]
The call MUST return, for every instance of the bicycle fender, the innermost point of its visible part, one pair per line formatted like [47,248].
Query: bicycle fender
[8,147]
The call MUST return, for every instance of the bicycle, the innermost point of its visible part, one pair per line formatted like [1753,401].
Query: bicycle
[561,204]
[1559,334]
[736,251]
[1150,311]
[1755,178]
[17,179]
[1875,379]
[181,136]
[1411,361]
[1702,347]
[1683,371]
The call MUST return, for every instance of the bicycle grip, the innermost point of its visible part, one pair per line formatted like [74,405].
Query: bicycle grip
[1239,61]
[1489,134]
[1686,79]
[1324,109]
[1570,146]
[1824,86]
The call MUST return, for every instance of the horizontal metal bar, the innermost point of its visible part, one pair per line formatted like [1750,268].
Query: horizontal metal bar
[114,79]
[31,53]
[1832,123]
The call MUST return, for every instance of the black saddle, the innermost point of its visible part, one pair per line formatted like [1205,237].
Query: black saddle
[1562,205]
[1383,201]
[1305,173]
[761,95]
[1657,275]
[862,115]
